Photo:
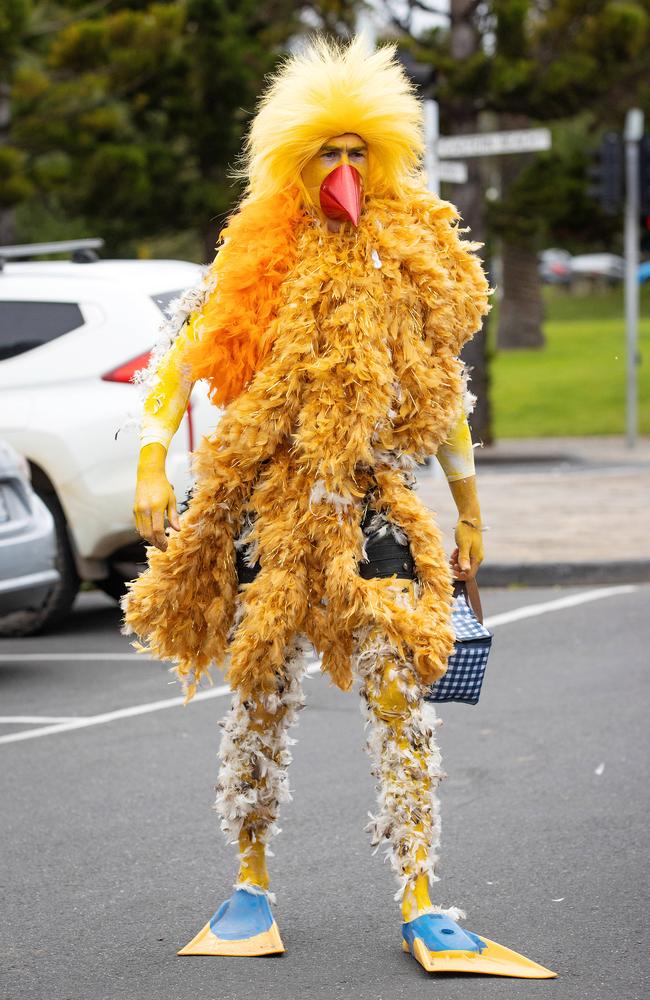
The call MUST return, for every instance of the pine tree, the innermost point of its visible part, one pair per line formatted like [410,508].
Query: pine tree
[127,116]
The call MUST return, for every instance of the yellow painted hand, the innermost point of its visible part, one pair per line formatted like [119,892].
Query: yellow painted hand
[154,497]
[468,554]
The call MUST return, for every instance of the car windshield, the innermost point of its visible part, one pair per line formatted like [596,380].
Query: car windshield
[26,325]
[162,299]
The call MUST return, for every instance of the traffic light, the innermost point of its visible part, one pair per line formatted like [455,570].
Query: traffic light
[645,234]
[422,75]
[644,172]
[606,173]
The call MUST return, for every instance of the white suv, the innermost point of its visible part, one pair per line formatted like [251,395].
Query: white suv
[71,336]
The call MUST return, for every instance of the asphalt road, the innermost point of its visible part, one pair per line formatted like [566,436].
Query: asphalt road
[112,857]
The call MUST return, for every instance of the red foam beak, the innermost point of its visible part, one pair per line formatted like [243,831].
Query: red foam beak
[340,194]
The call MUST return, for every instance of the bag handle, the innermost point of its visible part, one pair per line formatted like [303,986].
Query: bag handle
[471,591]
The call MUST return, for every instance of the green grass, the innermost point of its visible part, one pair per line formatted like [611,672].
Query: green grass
[576,384]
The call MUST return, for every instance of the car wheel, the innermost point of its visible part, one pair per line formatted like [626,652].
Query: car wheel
[124,565]
[61,597]
[114,585]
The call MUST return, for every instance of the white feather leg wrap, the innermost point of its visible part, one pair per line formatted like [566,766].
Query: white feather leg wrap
[255,755]
[406,762]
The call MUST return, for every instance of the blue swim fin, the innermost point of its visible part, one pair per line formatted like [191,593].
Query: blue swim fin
[242,926]
[439,944]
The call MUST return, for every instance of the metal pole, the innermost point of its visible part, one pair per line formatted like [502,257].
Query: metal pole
[634,125]
[431,135]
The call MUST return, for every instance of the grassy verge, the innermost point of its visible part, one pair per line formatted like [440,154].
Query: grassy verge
[576,384]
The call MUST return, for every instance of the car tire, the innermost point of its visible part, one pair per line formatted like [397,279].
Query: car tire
[61,597]
[114,585]
[124,565]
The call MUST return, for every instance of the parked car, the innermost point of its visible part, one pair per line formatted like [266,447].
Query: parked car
[607,267]
[71,337]
[555,266]
[28,574]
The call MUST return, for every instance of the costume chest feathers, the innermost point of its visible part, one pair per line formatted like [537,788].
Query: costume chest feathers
[361,381]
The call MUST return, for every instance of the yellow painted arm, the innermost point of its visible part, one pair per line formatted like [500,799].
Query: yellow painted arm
[165,406]
[456,457]
[164,409]
[456,454]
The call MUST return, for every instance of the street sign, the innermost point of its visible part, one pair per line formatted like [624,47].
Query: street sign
[452,171]
[526,140]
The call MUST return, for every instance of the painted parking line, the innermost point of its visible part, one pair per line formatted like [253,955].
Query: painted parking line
[493,621]
[559,604]
[54,657]
[12,720]
[127,713]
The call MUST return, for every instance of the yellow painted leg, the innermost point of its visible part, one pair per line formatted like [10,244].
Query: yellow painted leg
[391,704]
[435,940]
[244,925]
[416,899]
[252,868]
[252,848]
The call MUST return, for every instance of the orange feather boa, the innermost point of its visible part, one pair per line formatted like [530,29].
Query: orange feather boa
[257,251]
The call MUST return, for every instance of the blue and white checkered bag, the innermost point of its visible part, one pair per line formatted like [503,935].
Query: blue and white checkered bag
[466,665]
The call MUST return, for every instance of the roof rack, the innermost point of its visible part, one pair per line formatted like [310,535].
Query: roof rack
[82,251]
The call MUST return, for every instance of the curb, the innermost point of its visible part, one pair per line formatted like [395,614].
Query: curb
[564,574]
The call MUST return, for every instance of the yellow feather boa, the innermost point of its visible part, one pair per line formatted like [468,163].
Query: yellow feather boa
[363,378]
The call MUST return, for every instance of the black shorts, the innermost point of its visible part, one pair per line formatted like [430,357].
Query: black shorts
[388,552]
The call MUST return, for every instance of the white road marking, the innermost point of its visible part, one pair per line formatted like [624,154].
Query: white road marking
[96,655]
[9,720]
[532,610]
[125,713]
[493,621]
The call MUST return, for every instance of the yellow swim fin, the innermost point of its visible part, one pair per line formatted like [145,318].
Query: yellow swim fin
[242,926]
[440,945]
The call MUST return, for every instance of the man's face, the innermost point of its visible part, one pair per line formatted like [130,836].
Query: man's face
[348,149]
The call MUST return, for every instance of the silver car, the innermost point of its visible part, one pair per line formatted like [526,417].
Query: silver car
[606,267]
[28,549]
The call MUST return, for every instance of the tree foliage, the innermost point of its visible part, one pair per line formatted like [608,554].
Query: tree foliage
[572,64]
[127,115]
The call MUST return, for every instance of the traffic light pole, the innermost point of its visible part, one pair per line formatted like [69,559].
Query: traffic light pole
[634,125]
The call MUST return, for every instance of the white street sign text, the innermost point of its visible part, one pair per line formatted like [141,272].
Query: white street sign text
[452,171]
[528,140]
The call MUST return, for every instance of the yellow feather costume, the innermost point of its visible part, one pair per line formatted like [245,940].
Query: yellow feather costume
[336,354]
[358,379]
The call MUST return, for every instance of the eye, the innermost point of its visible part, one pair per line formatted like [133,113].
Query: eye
[358,154]
[331,155]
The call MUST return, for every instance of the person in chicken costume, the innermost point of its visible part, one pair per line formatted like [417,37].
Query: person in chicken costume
[329,327]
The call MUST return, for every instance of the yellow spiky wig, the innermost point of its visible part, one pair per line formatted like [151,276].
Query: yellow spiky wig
[328,90]
[337,356]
